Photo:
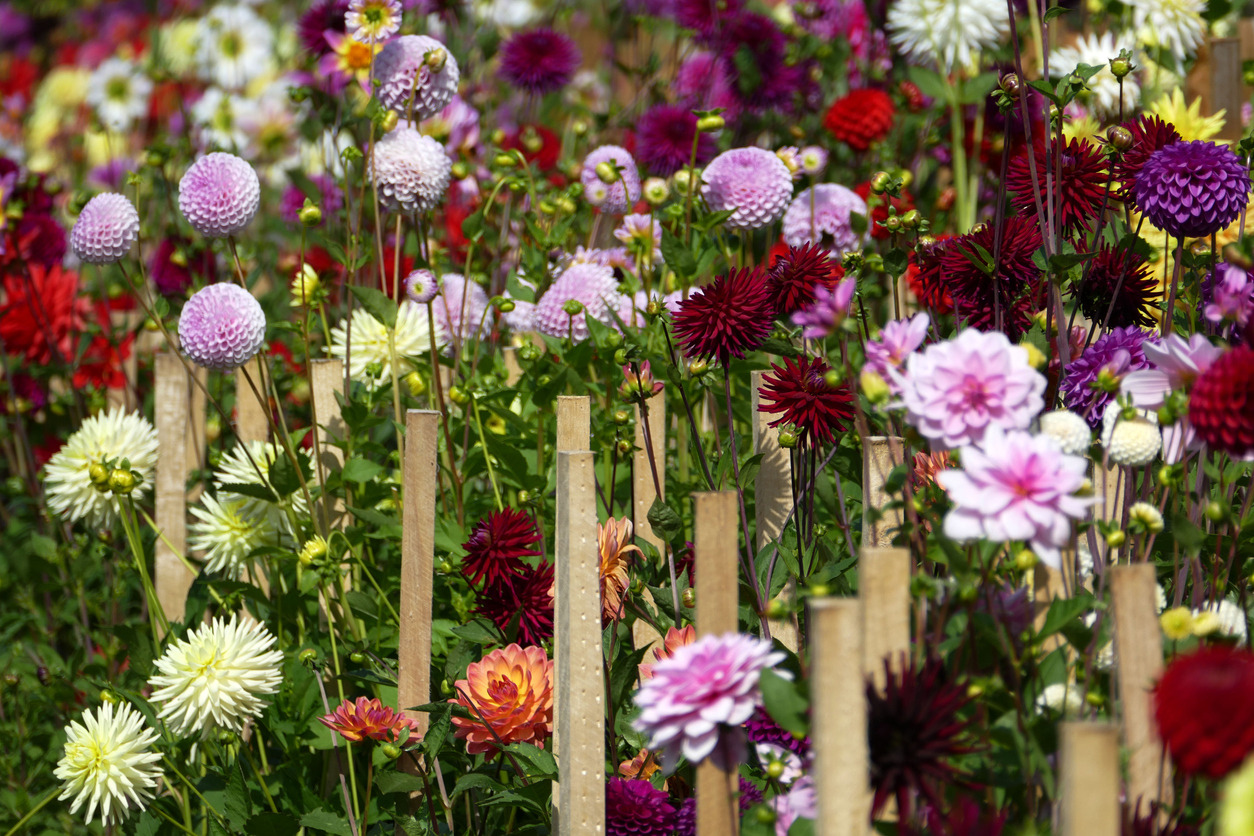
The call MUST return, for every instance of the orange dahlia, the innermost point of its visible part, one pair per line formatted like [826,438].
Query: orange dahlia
[367,718]
[674,640]
[612,542]
[509,694]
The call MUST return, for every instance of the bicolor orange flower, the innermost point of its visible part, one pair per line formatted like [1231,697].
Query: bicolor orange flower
[509,694]
[612,542]
[643,765]
[674,640]
[367,718]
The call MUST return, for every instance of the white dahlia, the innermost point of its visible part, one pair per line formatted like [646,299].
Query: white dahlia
[108,762]
[111,437]
[217,676]
[234,46]
[227,531]
[410,171]
[1175,25]
[1097,50]
[371,357]
[949,33]
[118,91]
[235,468]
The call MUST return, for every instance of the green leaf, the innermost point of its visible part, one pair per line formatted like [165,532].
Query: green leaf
[1185,532]
[665,521]
[283,476]
[377,303]
[748,76]
[326,822]
[272,824]
[678,257]
[476,631]
[895,261]
[441,720]
[1056,11]
[476,781]
[929,82]
[148,824]
[1045,90]
[1065,261]
[413,826]
[389,782]
[1063,611]
[251,491]
[238,806]
[784,703]
[801,827]
[361,470]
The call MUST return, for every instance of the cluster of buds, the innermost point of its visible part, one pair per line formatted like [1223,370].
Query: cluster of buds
[119,480]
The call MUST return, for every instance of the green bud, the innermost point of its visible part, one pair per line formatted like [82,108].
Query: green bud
[460,171]
[1120,138]
[544,380]
[880,182]
[389,120]
[711,124]
[607,172]
[436,59]
[625,447]
[788,438]
[310,215]
[415,384]
[458,395]
[308,656]
[565,205]
[698,367]
[1116,538]
[573,307]
[777,609]
[1216,510]
[122,481]
[655,191]
[620,357]
[621,416]
[832,378]
[503,161]
[689,598]
[98,474]
[1010,84]
[547,207]
[390,750]
[1026,560]
[357,657]
[524,496]
[1120,66]
[892,223]
[911,219]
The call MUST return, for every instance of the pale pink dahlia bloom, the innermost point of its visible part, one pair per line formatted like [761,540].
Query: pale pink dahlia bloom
[410,170]
[955,391]
[1016,486]
[222,326]
[752,183]
[421,286]
[830,224]
[405,68]
[618,196]
[106,229]
[1177,363]
[459,311]
[801,802]
[698,698]
[887,353]
[219,195]
[593,286]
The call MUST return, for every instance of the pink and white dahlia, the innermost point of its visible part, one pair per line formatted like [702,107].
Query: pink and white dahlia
[752,183]
[1177,363]
[887,353]
[410,170]
[419,71]
[222,326]
[591,285]
[459,311]
[219,194]
[1016,486]
[612,196]
[955,391]
[106,229]
[697,699]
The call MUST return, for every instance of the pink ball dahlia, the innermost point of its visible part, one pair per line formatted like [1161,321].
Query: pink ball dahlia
[753,183]
[954,392]
[106,229]
[1016,486]
[219,195]
[830,224]
[222,326]
[421,286]
[697,699]
[619,195]
[416,56]
[593,286]
[459,310]
[410,170]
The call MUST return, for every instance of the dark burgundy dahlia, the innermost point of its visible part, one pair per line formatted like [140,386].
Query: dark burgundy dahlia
[799,393]
[539,60]
[664,140]
[1001,297]
[497,546]
[1080,191]
[726,318]
[1192,189]
[793,277]
[1204,714]
[1118,285]
[634,807]
[1149,133]
[525,599]
[1221,406]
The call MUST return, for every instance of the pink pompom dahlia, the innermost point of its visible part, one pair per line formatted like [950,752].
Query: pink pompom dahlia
[106,229]
[416,70]
[613,196]
[222,326]
[753,183]
[410,170]
[219,195]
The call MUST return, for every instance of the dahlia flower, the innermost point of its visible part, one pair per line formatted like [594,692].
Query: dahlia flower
[1117,289]
[522,601]
[539,60]
[216,676]
[227,530]
[1231,296]
[592,286]
[1202,710]
[108,438]
[222,327]
[1071,431]
[411,171]
[1080,191]
[956,391]
[619,195]
[459,311]
[364,718]
[698,698]
[497,545]
[636,808]
[614,549]
[234,46]
[119,91]
[406,69]
[109,763]
[1016,486]
[106,229]
[1149,134]
[1175,25]
[830,223]
[664,137]
[219,195]
[762,730]
[1221,406]
[752,183]
[726,318]
[754,56]
[948,33]
[372,20]
[373,342]
[509,694]
[705,16]
[796,275]
[674,639]
[800,395]
[1175,364]
[860,118]
[886,355]
[1192,189]
[421,287]
[1130,442]
[1111,356]
[322,16]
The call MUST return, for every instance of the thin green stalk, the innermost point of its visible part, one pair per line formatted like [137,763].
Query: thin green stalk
[42,804]
[487,457]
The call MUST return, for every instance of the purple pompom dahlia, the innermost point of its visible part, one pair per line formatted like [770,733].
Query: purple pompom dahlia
[752,183]
[539,60]
[664,140]
[621,193]
[219,195]
[222,326]
[830,225]
[1192,189]
[417,66]
[410,170]
[106,229]
[1119,351]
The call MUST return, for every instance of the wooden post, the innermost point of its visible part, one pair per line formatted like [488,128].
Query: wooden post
[513,371]
[251,416]
[716,542]
[328,378]
[413,667]
[1227,89]
[879,454]
[197,441]
[841,772]
[643,491]
[574,423]
[772,489]
[1139,662]
[884,586]
[579,699]
[1088,779]
[173,578]
[1110,486]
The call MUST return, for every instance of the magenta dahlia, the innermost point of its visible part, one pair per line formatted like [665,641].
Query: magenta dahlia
[1221,406]
[823,214]
[1117,289]
[634,807]
[593,286]
[525,599]
[664,137]
[796,274]
[539,60]
[726,318]
[411,171]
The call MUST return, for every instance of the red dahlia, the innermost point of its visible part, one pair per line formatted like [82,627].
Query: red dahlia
[795,274]
[726,318]
[1221,406]
[1149,134]
[860,118]
[924,276]
[42,314]
[1081,189]
[525,600]
[798,392]
[1202,705]
[1117,281]
[497,546]
[1001,298]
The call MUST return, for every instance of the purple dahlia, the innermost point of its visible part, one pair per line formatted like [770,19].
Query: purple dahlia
[1192,189]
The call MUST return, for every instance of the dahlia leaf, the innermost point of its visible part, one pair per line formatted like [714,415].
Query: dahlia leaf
[272,824]
[1185,532]
[413,826]
[441,720]
[238,806]
[895,261]
[1056,11]
[263,492]
[1044,88]
[1065,261]
[1062,612]
[784,702]
[973,91]
[327,822]
[928,81]
[390,782]
[360,470]
[678,257]
[665,521]
[377,303]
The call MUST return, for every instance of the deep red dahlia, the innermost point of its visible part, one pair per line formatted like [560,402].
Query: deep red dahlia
[795,274]
[497,546]
[1149,134]
[525,599]
[1221,406]
[860,118]
[706,17]
[1081,189]
[726,318]
[321,16]
[798,392]
[664,137]
[879,213]
[633,807]
[1117,268]
[101,367]
[924,277]
[1001,298]
[1203,709]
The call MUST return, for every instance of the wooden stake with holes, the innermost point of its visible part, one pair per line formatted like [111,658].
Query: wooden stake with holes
[413,654]
[773,501]
[643,490]
[574,423]
[884,586]
[716,541]
[513,371]
[579,698]
[1139,663]
[879,455]
[197,440]
[839,717]
[1227,88]
[328,378]
[173,578]
[251,421]
[1088,779]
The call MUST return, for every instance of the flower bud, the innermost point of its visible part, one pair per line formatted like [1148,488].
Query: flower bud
[698,367]
[305,285]
[460,171]
[573,307]
[547,207]
[621,416]
[98,474]
[655,191]
[620,357]
[390,750]
[122,481]
[415,384]
[689,598]
[565,205]
[1120,67]
[1026,560]
[312,551]
[682,180]
[310,215]
[606,172]
[436,59]
[874,387]
[389,120]
[788,438]
[767,815]
[1010,84]
[777,609]
[1216,510]
[1120,138]
[308,656]
[579,127]
[458,395]
[503,161]
[1146,515]
[1116,538]
[892,223]
[911,219]
[774,770]
[625,447]
[357,657]
[711,123]
[880,182]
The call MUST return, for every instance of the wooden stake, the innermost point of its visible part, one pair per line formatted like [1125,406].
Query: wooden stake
[717,524]
[413,668]
[574,423]
[1088,779]
[251,421]
[879,455]
[173,578]
[839,717]
[328,378]
[772,489]
[1139,662]
[513,371]
[197,441]
[884,586]
[1227,89]
[643,491]
[579,698]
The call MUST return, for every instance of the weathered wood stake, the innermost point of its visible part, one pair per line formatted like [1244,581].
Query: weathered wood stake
[839,717]
[251,421]
[1088,779]
[879,524]
[643,491]
[413,684]
[173,578]
[574,423]
[884,586]
[774,499]
[1227,88]
[328,378]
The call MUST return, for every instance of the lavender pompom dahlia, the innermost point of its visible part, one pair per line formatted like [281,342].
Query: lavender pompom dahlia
[410,170]
[753,183]
[222,326]
[219,195]
[106,229]
[459,310]
[417,66]
[698,698]
[421,286]
[1192,189]
[830,224]
[591,285]
[621,192]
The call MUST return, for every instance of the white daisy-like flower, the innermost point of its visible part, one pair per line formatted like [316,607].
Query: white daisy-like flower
[112,437]
[216,677]
[234,46]
[227,533]
[235,468]
[1062,698]
[1175,25]
[119,91]
[1223,617]
[220,117]
[373,21]
[370,342]
[949,33]
[1097,50]
[108,763]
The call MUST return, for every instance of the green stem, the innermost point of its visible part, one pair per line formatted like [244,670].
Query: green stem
[487,457]
[42,804]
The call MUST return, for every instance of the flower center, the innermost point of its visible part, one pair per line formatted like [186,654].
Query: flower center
[230,44]
[117,89]
[974,395]
[357,56]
